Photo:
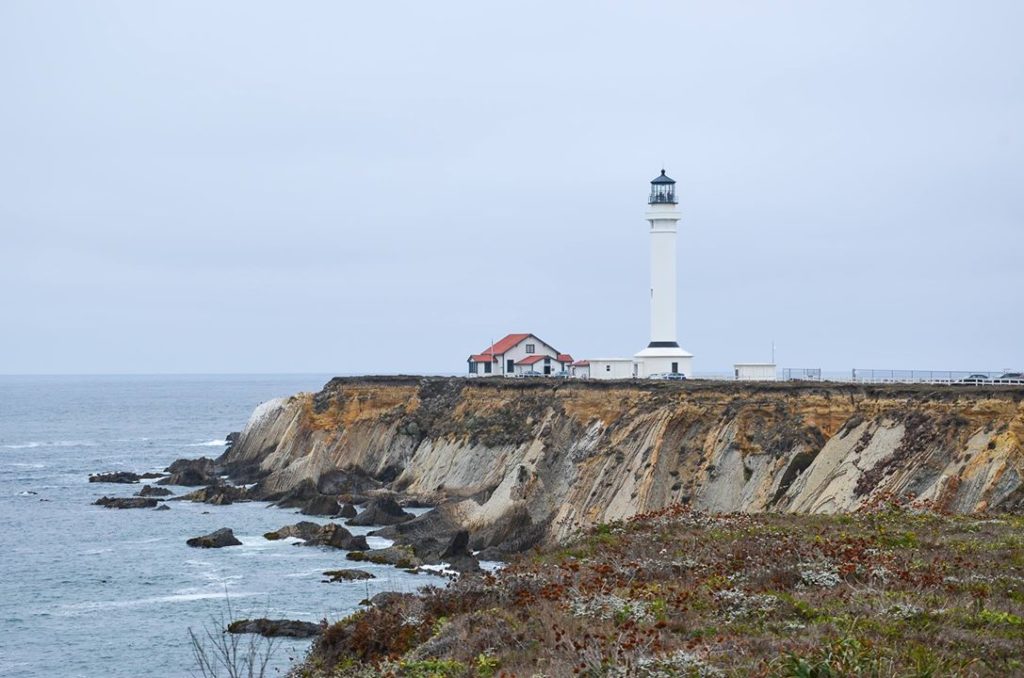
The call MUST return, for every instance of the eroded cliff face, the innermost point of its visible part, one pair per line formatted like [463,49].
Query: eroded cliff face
[538,460]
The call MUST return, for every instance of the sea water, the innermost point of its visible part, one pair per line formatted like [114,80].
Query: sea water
[91,591]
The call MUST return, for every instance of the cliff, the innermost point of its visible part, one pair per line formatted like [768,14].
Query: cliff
[520,462]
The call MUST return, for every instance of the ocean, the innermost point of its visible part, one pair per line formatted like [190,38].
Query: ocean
[91,591]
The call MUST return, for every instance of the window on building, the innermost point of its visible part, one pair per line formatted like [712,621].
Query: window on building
[531,348]
[607,368]
[472,367]
[675,368]
[510,366]
[547,361]
[487,368]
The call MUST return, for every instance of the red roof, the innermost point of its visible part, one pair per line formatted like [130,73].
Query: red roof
[564,358]
[581,363]
[531,359]
[498,348]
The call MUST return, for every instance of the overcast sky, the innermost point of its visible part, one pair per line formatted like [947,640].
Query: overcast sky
[387,187]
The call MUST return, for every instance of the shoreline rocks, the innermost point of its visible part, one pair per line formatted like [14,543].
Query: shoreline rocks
[382,511]
[217,495]
[401,557]
[314,534]
[191,473]
[321,505]
[215,540]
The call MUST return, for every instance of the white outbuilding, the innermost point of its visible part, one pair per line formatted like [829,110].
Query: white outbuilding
[611,368]
[755,371]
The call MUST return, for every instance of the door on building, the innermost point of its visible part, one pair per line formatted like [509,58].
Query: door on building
[675,368]
[547,369]
[510,366]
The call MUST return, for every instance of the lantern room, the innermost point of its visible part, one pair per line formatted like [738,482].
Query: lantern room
[663,190]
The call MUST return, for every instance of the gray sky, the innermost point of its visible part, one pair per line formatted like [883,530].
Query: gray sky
[386,187]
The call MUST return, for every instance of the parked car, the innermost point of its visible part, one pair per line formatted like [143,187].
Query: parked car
[669,376]
[1010,377]
[564,374]
[974,379]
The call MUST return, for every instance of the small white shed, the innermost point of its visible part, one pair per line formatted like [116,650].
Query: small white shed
[611,368]
[755,371]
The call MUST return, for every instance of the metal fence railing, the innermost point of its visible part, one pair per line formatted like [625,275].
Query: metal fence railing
[801,374]
[874,376]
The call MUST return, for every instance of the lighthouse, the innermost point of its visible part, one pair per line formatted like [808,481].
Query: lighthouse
[663,354]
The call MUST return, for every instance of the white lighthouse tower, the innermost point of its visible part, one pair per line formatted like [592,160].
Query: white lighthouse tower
[663,354]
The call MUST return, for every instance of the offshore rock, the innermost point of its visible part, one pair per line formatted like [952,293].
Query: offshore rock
[270,628]
[124,477]
[150,491]
[215,540]
[348,575]
[322,505]
[126,502]
[191,472]
[381,511]
[347,511]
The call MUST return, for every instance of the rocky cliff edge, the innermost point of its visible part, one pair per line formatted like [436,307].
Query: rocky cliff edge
[525,462]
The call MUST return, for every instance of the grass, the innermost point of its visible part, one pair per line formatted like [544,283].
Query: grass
[886,592]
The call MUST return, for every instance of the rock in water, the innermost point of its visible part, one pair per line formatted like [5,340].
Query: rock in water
[458,555]
[150,491]
[270,628]
[337,536]
[126,502]
[348,575]
[312,534]
[348,511]
[401,557]
[218,495]
[381,511]
[162,507]
[304,530]
[321,505]
[124,477]
[191,473]
[215,540]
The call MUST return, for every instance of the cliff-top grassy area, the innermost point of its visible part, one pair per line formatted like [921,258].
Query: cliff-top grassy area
[884,592]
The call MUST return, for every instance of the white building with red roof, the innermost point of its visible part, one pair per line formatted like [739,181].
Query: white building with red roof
[519,354]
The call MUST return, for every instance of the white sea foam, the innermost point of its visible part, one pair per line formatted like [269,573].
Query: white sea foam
[209,443]
[84,608]
[52,443]
[379,542]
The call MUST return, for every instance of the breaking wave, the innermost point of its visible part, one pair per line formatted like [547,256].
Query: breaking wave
[54,443]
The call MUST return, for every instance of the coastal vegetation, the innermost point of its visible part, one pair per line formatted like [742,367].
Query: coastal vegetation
[891,590]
